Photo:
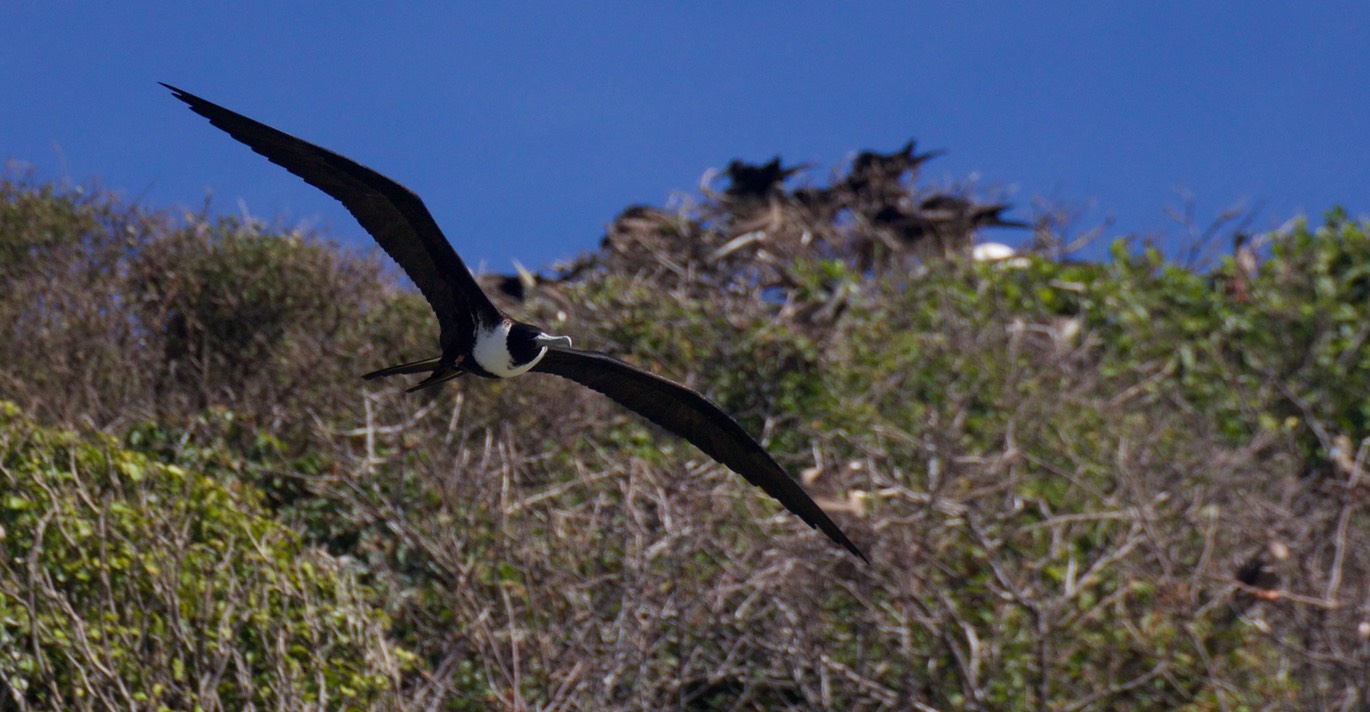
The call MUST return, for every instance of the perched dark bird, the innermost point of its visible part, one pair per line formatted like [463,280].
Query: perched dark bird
[941,225]
[513,286]
[964,214]
[751,181]
[871,169]
[1261,574]
[643,218]
[1258,573]
[477,338]
[641,223]
[909,226]
[518,286]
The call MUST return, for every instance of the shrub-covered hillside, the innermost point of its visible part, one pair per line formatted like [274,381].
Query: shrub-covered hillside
[1130,484]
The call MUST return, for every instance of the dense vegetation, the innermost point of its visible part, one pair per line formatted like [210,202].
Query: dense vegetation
[1125,484]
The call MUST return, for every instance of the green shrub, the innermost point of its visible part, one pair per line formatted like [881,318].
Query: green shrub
[126,583]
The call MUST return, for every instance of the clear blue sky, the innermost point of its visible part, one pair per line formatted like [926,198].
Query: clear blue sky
[527,126]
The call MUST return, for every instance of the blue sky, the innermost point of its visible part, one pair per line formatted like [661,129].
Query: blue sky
[527,126]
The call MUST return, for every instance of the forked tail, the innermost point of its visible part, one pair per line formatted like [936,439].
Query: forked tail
[440,372]
[424,366]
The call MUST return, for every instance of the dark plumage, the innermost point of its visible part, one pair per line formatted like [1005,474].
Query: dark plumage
[871,169]
[908,226]
[751,181]
[954,210]
[941,225]
[476,337]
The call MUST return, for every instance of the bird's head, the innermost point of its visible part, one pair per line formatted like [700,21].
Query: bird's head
[527,342]
[510,348]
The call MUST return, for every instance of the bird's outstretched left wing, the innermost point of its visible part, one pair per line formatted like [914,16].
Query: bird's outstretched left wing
[393,214]
[690,415]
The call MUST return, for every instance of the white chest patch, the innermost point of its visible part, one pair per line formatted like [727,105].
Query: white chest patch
[492,351]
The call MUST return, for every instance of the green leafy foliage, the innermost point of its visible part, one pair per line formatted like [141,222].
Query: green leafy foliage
[126,582]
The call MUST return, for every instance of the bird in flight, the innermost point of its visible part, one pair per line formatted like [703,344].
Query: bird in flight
[477,338]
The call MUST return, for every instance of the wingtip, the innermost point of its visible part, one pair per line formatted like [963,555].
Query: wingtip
[827,527]
[183,95]
[847,544]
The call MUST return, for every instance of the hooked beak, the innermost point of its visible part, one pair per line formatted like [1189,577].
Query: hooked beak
[545,340]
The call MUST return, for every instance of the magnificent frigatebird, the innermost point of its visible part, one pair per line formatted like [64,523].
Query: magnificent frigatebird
[753,181]
[879,172]
[477,338]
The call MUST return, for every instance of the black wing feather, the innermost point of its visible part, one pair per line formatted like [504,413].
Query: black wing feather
[694,417]
[394,215]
